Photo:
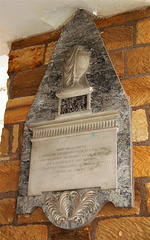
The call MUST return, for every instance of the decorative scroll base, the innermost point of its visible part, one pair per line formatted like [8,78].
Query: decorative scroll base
[69,207]
[73,209]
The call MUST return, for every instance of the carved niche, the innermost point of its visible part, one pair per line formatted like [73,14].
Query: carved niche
[74,81]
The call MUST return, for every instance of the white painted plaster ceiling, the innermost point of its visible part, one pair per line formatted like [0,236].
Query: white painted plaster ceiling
[23,18]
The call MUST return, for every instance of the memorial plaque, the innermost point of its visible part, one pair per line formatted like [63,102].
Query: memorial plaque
[76,152]
[73,158]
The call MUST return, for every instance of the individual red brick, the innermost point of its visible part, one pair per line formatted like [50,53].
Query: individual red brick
[19,102]
[26,83]
[9,175]
[26,58]
[117,37]
[141,157]
[138,89]
[17,109]
[7,210]
[16,115]
[139,126]
[143,31]
[138,60]
[5,141]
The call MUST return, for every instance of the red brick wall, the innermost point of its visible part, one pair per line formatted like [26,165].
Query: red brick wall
[127,39]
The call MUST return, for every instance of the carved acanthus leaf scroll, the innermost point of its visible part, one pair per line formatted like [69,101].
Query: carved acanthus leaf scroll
[70,206]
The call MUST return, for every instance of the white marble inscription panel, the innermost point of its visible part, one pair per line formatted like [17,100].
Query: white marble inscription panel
[74,162]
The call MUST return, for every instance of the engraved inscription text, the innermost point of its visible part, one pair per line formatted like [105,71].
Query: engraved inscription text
[74,162]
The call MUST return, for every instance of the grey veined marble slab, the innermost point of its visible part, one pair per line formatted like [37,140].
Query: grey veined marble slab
[76,153]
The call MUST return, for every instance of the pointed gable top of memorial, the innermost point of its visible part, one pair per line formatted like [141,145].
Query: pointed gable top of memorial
[100,74]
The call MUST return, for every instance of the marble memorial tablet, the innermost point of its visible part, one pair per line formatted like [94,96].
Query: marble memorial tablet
[77,152]
[74,158]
